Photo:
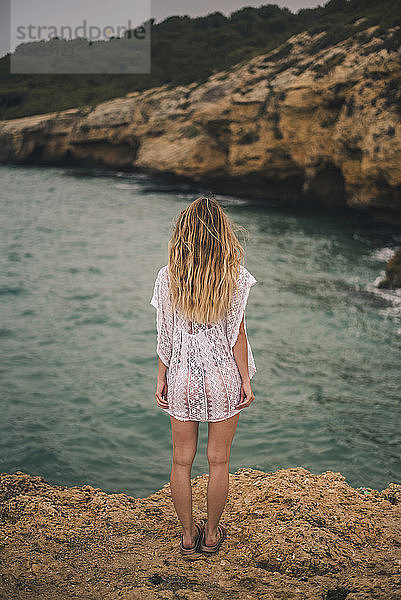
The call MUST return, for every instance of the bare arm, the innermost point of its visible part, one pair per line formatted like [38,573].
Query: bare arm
[161,376]
[164,321]
[161,386]
[240,351]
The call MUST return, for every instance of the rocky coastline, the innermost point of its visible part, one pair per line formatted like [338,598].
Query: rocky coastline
[392,277]
[302,124]
[292,535]
[305,122]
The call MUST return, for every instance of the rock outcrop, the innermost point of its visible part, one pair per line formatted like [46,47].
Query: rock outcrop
[291,535]
[392,279]
[304,122]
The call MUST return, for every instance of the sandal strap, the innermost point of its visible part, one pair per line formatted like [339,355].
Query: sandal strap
[220,540]
[196,539]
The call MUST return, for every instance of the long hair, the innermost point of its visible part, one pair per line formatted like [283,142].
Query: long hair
[204,257]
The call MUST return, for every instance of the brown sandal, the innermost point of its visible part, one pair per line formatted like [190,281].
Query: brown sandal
[212,549]
[195,547]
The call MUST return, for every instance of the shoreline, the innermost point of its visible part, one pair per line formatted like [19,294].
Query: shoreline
[291,534]
[271,130]
[171,182]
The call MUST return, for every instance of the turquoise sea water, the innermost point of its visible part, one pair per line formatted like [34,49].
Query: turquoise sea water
[79,254]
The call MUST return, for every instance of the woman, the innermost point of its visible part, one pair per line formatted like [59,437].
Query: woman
[205,360]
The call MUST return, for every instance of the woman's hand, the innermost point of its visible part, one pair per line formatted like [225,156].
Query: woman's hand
[161,393]
[247,396]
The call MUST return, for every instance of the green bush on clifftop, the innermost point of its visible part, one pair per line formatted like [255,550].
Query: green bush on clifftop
[188,49]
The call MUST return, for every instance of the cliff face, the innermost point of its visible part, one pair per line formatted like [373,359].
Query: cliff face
[291,535]
[321,125]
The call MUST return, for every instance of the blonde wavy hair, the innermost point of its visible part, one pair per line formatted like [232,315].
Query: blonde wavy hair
[204,257]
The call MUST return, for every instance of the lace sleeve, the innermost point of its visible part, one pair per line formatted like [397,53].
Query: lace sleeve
[164,316]
[238,304]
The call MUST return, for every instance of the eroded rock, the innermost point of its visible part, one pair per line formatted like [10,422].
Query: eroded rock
[392,279]
[291,534]
[319,126]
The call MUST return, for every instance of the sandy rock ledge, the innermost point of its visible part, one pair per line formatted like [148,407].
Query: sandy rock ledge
[291,534]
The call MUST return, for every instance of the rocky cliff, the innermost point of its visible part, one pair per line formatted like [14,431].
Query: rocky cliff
[306,121]
[291,535]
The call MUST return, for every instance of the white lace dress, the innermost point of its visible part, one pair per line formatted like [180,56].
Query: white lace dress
[203,379]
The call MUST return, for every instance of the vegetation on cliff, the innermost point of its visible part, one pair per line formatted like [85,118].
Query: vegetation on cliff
[197,47]
[320,126]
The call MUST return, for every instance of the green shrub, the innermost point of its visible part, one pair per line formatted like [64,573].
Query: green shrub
[184,50]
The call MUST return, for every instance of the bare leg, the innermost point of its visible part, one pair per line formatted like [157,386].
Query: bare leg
[185,439]
[220,437]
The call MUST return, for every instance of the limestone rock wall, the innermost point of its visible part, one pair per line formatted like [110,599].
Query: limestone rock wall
[297,124]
